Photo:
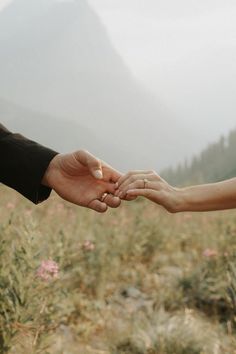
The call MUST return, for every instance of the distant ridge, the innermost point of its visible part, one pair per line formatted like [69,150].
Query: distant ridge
[56,59]
[62,136]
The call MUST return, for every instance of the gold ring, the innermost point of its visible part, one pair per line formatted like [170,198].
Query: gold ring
[103,197]
[145,182]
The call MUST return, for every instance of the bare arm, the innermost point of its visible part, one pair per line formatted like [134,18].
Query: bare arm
[207,197]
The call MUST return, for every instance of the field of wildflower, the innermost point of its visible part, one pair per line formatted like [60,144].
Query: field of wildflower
[136,280]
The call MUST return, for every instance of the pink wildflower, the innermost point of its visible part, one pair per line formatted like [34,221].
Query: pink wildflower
[60,207]
[187,217]
[209,253]
[48,270]
[10,205]
[50,212]
[88,246]
[28,212]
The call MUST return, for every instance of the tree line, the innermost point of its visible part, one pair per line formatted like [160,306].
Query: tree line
[215,163]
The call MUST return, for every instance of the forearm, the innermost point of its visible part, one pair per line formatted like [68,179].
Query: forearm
[23,165]
[208,197]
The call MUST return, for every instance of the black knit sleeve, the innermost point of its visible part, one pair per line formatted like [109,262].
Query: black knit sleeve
[22,165]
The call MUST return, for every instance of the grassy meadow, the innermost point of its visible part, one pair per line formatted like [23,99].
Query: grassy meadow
[135,280]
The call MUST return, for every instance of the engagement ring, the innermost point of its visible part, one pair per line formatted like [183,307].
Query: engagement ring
[145,182]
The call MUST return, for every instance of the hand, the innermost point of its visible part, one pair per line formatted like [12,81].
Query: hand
[148,184]
[84,180]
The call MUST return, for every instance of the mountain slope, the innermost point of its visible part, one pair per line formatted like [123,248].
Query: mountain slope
[58,135]
[56,58]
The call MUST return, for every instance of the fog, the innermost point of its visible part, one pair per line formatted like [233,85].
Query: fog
[184,52]
[142,84]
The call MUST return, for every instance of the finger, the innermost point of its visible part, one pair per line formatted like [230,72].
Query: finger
[91,162]
[109,187]
[141,178]
[129,198]
[117,192]
[129,174]
[147,193]
[114,175]
[98,206]
[140,184]
[112,201]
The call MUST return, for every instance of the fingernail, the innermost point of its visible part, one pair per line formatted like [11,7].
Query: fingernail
[98,174]
[116,185]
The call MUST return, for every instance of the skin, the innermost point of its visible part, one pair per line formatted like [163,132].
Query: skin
[206,197]
[82,179]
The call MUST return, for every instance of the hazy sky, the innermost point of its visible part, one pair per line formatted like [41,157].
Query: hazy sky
[152,33]
[3,3]
[183,51]
[171,45]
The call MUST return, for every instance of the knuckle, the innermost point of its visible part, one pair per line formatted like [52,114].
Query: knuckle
[81,152]
[132,178]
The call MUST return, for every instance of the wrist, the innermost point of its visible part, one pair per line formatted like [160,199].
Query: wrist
[192,198]
[47,177]
[180,200]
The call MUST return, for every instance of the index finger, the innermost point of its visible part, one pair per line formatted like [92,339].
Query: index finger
[113,175]
[129,174]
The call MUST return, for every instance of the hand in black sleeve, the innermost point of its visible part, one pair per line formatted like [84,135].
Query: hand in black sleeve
[23,164]
[78,177]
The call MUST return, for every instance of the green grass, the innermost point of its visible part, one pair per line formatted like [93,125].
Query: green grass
[146,288]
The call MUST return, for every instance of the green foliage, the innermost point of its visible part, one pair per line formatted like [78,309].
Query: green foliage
[217,162]
[146,286]
[205,289]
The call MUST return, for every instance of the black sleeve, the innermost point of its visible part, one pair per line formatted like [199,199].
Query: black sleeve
[22,165]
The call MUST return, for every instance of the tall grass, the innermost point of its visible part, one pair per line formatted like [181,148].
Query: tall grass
[136,280]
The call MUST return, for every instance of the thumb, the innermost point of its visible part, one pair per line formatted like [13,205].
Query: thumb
[93,164]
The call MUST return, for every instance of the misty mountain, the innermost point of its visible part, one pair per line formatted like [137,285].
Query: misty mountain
[15,117]
[62,136]
[56,60]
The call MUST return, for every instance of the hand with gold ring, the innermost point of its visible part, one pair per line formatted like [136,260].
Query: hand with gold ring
[150,185]
[145,181]
[203,197]
[84,180]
